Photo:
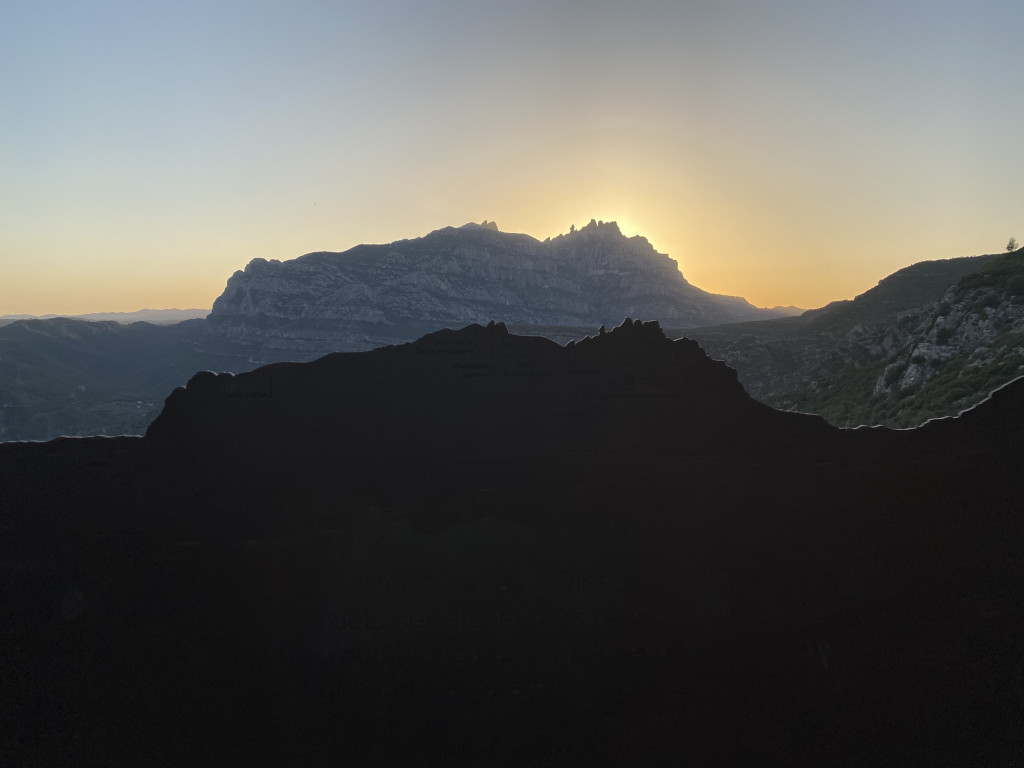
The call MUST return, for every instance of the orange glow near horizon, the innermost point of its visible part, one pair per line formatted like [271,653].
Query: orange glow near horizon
[766,275]
[145,159]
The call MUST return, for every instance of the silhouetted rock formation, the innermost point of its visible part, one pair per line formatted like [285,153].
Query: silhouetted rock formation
[481,548]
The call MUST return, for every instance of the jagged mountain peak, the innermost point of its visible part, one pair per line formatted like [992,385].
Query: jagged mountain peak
[485,224]
[604,232]
[605,228]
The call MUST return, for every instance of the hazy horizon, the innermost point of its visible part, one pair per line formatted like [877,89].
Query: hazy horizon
[791,154]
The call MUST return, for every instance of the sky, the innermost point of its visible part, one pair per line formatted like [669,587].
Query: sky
[791,152]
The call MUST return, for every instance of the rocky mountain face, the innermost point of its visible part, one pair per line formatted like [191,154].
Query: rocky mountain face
[373,295]
[489,549]
[928,341]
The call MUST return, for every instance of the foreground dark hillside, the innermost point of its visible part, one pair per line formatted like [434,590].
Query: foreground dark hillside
[488,549]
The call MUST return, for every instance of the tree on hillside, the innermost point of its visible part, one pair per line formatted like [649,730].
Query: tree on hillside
[1012,245]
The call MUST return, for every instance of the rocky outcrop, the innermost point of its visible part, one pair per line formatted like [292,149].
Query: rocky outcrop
[973,327]
[927,342]
[374,295]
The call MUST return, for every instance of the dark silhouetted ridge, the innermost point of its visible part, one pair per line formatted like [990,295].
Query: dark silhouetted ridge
[481,548]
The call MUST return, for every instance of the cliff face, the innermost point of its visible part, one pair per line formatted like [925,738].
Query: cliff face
[373,295]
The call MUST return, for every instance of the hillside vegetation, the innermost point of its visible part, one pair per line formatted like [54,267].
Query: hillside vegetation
[71,377]
[928,341]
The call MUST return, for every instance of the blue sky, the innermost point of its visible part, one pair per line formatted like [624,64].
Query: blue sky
[788,152]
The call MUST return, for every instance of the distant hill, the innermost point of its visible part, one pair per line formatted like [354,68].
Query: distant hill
[154,316]
[63,376]
[373,295]
[927,341]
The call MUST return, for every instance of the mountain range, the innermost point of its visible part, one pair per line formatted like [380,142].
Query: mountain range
[373,295]
[154,316]
[484,548]
[66,376]
[928,341]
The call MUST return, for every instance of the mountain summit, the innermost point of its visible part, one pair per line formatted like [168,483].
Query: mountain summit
[373,295]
